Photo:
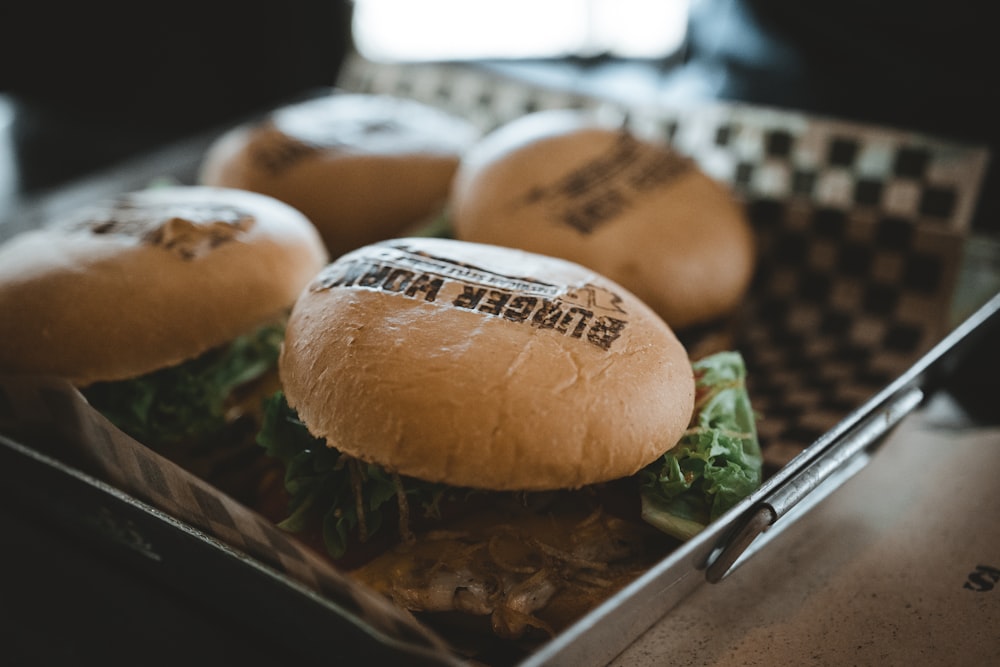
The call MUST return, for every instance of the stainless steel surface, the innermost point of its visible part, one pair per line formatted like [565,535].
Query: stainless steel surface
[806,485]
[823,468]
[818,472]
[897,567]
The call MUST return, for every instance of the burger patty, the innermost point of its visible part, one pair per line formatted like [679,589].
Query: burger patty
[530,569]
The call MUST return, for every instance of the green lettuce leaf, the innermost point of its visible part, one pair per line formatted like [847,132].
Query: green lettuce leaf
[187,401]
[716,463]
[319,481]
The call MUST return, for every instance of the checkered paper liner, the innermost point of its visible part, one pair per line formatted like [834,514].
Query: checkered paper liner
[861,231]
[118,460]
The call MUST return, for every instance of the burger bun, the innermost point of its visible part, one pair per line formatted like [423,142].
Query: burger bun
[572,184]
[485,367]
[148,280]
[361,167]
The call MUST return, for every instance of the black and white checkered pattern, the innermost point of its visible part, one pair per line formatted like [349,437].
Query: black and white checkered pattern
[761,152]
[486,100]
[783,155]
[839,308]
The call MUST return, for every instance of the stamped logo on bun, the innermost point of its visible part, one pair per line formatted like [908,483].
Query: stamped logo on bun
[607,185]
[571,184]
[589,312]
[484,366]
[188,229]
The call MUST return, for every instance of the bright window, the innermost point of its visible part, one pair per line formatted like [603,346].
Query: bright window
[468,29]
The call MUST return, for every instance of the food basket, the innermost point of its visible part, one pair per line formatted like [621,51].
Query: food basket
[872,292]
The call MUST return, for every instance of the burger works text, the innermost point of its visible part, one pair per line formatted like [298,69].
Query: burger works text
[561,314]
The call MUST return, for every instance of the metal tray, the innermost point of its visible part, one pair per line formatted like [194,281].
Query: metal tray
[913,338]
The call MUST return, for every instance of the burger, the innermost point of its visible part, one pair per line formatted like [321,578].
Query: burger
[478,432]
[361,167]
[583,186]
[166,308]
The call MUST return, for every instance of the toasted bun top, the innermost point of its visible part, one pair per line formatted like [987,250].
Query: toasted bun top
[485,367]
[569,184]
[148,280]
[362,168]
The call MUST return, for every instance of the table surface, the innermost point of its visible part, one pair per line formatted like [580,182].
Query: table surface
[899,566]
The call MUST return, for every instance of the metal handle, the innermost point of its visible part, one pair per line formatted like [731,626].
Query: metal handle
[805,484]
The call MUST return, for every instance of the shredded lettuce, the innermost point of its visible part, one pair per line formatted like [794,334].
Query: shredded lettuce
[718,461]
[187,401]
[319,481]
[437,226]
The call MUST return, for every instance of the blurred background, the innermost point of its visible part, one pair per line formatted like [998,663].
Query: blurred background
[84,85]
[456,30]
